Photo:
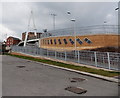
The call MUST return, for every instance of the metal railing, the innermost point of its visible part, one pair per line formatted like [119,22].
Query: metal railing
[107,60]
[87,30]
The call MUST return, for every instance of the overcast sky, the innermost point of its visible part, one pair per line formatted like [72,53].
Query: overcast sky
[15,15]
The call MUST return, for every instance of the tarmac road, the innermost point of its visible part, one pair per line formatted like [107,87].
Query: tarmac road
[36,79]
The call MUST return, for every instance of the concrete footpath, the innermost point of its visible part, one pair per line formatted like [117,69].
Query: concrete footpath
[22,77]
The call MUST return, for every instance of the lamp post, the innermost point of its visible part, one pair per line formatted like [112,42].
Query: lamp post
[104,26]
[116,9]
[68,12]
[74,31]
[53,20]
[117,19]
[73,20]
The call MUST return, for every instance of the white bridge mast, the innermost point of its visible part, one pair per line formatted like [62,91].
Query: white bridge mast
[29,28]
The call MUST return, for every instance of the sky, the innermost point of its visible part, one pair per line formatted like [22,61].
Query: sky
[15,15]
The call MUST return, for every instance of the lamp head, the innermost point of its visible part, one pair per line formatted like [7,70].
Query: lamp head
[73,20]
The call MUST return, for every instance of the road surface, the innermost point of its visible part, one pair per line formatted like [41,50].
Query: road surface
[36,79]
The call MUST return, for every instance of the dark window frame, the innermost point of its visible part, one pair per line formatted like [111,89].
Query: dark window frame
[79,41]
[59,41]
[48,42]
[51,41]
[71,41]
[65,41]
[87,40]
[55,42]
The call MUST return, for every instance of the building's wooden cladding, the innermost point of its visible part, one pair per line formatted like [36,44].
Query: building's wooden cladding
[103,40]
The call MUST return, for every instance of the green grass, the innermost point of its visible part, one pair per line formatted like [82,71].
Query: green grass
[79,68]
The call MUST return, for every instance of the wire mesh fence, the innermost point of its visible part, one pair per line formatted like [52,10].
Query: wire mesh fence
[107,60]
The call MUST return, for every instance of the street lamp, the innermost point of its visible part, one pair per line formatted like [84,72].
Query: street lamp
[73,20]
[53,20]
[117,9]
[68,12]
[117,19]
[104,27]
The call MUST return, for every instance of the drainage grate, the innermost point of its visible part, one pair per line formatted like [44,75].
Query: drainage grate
[76,90]
[28,61]
[117,77]
[20,66]
[77,79]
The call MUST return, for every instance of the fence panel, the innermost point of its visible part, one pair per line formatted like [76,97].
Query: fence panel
[108,60]
[114,61]
[102,59]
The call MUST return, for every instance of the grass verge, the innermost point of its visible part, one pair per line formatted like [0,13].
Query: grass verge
[79,68]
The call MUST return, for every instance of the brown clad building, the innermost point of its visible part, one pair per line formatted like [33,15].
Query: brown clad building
[12,41]
[31,35]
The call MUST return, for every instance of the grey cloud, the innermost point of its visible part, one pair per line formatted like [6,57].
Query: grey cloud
[15,15]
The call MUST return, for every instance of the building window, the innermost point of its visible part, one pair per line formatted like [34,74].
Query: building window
[51,41]
[65,41]
[59,41]
[48,42]
[71,41]
[55,41]
[79,41]
[87,40]
[45,42]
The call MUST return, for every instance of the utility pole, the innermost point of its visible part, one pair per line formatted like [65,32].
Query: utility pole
[54,15]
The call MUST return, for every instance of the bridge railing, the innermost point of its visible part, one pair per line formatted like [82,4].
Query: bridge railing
[107,60]
[96,29]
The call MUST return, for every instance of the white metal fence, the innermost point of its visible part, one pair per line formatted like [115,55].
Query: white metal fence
[107,60]
[96,29]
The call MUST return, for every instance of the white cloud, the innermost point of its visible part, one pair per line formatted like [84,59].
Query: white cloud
[16,15]
[59,0]
[4,31]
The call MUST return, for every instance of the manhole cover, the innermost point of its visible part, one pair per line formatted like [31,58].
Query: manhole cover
[77,79]
[76,90]
[118,83]
[20,66]
[28,61]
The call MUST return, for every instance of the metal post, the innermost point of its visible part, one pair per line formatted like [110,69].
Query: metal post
[25,49]
[95,59]
[39,51]
[55,54]
[53,20]
[78,57]
[47,52]
[108,60]
[65,56]
[74,31]
[35,50]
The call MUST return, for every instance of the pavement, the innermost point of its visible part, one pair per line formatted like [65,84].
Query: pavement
[22,77]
